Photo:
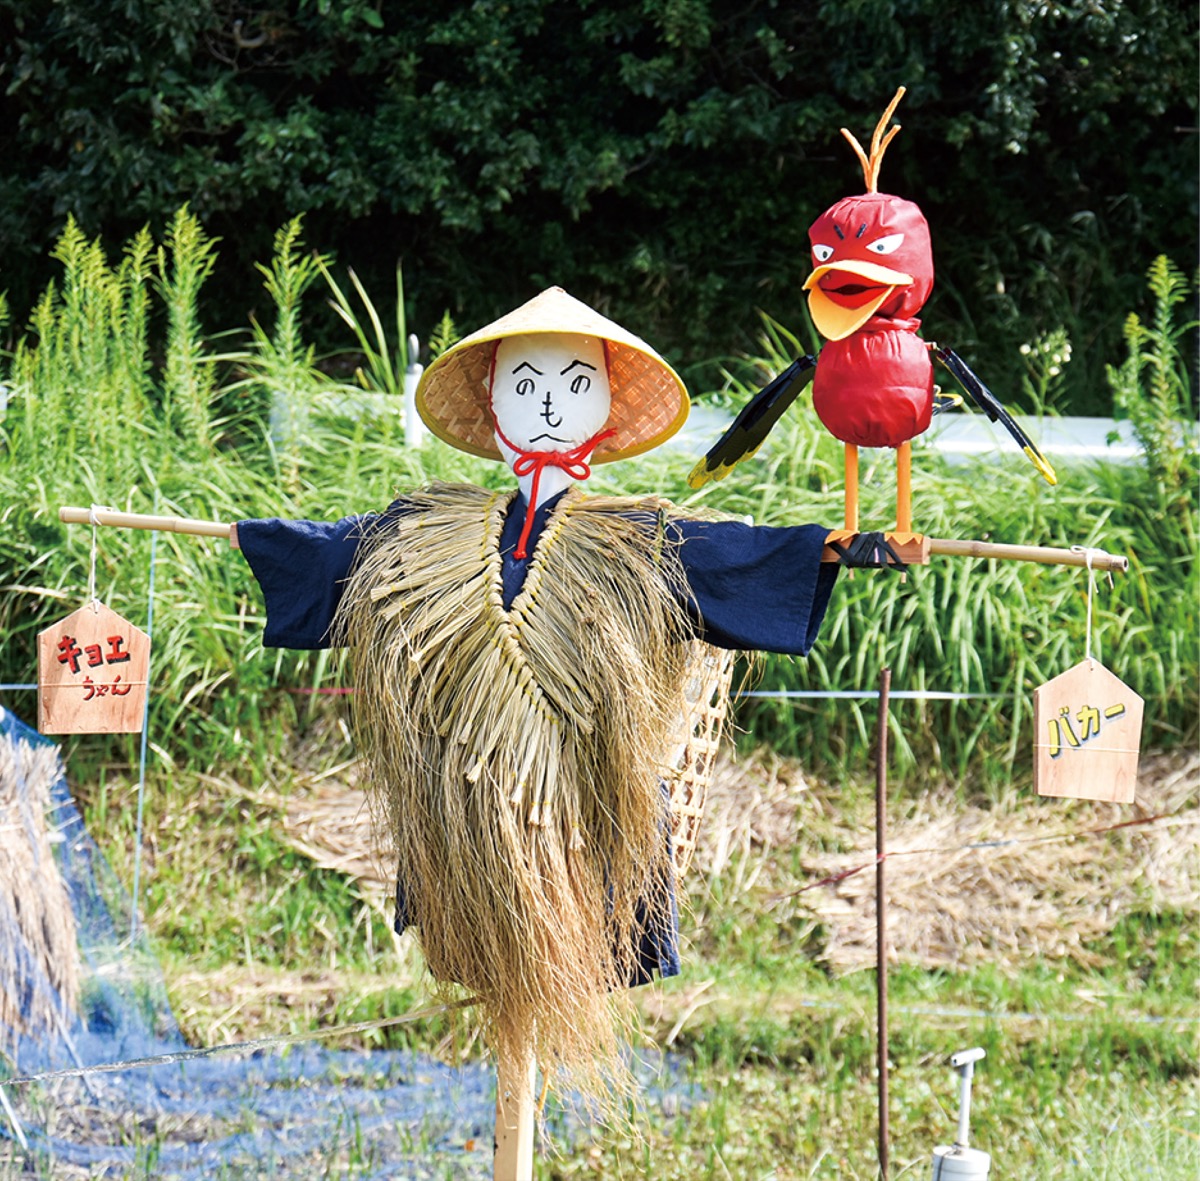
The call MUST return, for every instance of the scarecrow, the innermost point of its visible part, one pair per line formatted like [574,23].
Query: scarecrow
[521,659]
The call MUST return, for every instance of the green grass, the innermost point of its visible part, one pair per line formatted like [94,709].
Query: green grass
[91,421]
[801,1124]
[1091,1072]
[1091,1069]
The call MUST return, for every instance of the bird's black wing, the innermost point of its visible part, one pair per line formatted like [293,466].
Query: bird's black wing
[990,405]
[747,432]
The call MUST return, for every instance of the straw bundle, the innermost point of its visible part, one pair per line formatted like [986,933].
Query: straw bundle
[327,820]
[515,756]
[39,956]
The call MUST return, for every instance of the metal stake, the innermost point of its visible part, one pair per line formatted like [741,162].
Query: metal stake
[881,983]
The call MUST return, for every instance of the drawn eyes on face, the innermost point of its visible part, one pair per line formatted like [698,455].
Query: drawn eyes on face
[821,252]
[887,244]
[580,384]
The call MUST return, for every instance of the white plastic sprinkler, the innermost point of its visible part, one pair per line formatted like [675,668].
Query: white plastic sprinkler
[958,1162]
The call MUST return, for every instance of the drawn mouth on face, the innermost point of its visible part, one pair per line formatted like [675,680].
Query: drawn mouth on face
[547,435]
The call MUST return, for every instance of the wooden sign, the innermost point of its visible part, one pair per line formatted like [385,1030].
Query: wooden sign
[92,673]
[1087,735]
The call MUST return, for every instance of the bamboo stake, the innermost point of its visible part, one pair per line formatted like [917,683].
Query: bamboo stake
[515,1083]
[119,520]
[915,549]
[1046,555]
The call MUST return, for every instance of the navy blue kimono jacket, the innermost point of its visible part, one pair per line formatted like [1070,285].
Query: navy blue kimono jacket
[752,588]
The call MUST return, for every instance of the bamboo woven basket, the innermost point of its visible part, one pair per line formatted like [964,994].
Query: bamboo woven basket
[692,753]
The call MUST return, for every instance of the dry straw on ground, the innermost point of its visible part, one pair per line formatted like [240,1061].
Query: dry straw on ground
[1026,879]
[989,883]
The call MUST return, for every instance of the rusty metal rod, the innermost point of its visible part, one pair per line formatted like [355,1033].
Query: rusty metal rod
[881,981]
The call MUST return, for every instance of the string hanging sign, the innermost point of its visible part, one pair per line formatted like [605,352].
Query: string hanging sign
[1087,729]
[92,669]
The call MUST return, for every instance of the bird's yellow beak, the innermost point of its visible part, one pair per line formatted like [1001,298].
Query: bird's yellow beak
[842,306]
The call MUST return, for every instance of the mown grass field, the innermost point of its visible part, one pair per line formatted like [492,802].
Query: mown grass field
[1091,1042]
[1092,1049]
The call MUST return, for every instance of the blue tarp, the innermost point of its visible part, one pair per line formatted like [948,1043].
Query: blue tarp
[304,1111]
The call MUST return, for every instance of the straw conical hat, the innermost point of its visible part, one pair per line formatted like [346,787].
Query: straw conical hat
[649,401]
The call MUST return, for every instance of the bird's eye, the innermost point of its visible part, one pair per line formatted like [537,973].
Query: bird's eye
[887,244]
[581,383]
[821,252]
[525,386]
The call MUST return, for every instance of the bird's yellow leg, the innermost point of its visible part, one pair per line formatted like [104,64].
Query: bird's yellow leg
[851,488]
[904,487]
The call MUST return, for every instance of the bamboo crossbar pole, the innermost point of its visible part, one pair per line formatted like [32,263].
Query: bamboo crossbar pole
[119,520]
[1046,555]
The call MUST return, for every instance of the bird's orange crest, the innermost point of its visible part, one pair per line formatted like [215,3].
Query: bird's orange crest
[879,142]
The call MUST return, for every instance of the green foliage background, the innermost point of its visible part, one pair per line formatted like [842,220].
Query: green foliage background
[118,395]
[662,159]
[118,398]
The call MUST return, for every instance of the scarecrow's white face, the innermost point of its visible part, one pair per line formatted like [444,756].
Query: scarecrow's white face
[550,391]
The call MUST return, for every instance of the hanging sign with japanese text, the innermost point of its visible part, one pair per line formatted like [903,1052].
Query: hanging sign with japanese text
[92,673]
[1087,735]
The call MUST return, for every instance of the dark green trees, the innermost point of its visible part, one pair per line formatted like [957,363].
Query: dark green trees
[660,158]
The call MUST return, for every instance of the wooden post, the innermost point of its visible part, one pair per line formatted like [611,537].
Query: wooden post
[516,1080]
[881,981]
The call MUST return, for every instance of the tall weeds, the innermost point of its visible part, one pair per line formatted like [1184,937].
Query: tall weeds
[92,418]
[281,361]
[80,385]
[188,378]
[1152,386]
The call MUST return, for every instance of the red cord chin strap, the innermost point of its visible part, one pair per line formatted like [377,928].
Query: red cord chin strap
[573,462]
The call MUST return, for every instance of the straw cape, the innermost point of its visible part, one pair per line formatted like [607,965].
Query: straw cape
[515,756]
[649,400]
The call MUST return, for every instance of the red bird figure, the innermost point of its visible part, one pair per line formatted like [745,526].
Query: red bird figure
[873,381]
